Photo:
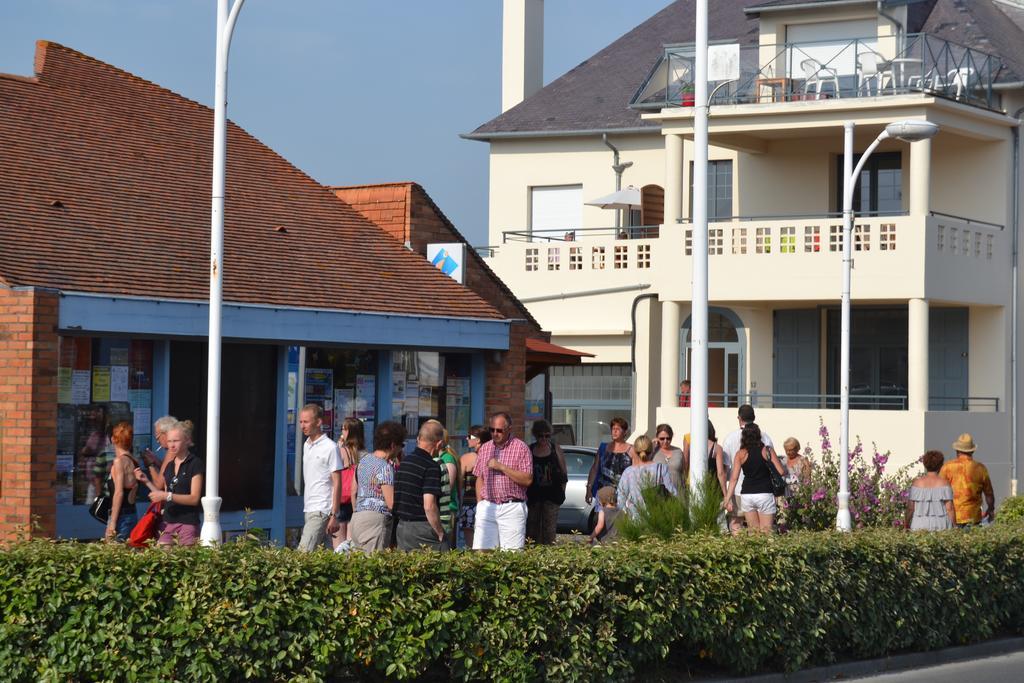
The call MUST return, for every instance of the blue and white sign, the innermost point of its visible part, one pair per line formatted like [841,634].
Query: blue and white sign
[449,258]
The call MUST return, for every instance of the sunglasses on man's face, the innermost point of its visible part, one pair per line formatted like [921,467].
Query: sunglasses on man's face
[497,430]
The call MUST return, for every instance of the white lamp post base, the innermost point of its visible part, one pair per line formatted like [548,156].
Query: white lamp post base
[843,520]
[210,534]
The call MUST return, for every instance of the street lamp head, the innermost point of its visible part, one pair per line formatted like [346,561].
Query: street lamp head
[911,130]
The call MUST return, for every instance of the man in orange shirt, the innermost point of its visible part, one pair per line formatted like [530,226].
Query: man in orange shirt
[969,480]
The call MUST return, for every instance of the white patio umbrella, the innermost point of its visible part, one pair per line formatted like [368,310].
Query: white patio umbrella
[628,198]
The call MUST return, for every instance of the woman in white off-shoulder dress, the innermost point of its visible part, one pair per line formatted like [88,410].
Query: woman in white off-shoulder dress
[930,507]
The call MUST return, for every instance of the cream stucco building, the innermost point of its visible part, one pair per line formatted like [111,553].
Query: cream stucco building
[934,305]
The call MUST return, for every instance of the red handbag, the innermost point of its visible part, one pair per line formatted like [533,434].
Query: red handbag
[147,528]
[348,476]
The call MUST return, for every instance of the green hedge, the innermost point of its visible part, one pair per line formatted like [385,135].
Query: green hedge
[93,612]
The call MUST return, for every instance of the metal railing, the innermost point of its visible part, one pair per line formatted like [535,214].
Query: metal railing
[632,232]
[868,67]
[857,401]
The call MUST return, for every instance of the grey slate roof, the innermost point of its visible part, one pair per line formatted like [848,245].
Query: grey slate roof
[595,94]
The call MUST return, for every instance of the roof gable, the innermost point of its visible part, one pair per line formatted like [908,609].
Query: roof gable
[105,187]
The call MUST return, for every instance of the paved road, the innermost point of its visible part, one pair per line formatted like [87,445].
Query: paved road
[1000,669]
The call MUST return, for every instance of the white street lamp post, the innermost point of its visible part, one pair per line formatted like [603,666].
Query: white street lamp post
[211,532]
[699,225]
[908,131]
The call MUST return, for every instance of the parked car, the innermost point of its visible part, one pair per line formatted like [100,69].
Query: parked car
[576,514]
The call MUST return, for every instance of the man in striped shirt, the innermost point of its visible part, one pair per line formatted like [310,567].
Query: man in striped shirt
[504,470]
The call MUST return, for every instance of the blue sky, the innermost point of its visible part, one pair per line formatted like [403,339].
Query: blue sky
[350,91]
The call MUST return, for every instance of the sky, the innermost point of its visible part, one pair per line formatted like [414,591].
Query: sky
[349,91]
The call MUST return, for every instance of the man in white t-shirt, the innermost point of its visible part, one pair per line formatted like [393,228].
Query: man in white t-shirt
[730,446]
[321,475]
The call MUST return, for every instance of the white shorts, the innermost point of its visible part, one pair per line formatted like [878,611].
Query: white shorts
[499,525]
[758,502]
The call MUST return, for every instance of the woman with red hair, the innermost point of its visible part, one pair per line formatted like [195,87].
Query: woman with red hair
[122,509]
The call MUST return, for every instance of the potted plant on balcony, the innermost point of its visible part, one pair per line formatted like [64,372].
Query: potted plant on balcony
[686,95]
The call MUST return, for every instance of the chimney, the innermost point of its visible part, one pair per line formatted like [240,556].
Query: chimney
[522,50]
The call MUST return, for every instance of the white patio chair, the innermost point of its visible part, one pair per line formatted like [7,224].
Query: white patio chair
[815,74]
[960,78]
[872,66]
[933,80]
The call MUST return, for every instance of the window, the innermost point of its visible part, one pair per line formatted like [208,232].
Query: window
[941,237]
[719,189]
[887,237]
[597,258]
[835,238]
[880,190]
[688,241]
[532,259]
[101,382]
[878,357]
[643,256]
[715,240]
[812,239]
[554,258]
[763,241]
[739,240]
[621,257]
[787,240]
[862,238]
[575,258]
[556,207]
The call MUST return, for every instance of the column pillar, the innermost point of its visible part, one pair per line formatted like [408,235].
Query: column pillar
[645,387]
[917,355]
[673,178]
[670,324]
[920,177]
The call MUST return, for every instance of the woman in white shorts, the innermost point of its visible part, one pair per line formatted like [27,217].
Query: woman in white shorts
[757,501]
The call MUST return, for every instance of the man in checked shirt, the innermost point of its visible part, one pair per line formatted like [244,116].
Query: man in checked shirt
[504,470]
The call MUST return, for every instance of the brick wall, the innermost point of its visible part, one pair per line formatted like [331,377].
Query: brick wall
[506,378]
[28,412]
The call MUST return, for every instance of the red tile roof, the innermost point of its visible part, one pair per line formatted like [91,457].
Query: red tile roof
[105,187]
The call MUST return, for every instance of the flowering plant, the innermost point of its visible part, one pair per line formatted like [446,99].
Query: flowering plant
[876,499]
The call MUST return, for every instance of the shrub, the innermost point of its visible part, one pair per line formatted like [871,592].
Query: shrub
[877,499]
[94,612]
[665,516]
[1011,511]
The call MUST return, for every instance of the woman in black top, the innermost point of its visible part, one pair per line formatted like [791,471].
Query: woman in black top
[478,436]
[757,501]
[547,492]
[182,490]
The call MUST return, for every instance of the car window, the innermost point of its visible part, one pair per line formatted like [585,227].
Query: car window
[577,463]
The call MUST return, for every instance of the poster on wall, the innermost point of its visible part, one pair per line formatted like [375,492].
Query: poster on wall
[366,396]
[101,383]
[80,386]
[63,385]
[344,406]
[119,355]
[139,401]
[119,382]
[319,385]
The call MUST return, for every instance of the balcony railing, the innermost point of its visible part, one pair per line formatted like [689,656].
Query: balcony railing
[859,400]
[869,67]
[632,232]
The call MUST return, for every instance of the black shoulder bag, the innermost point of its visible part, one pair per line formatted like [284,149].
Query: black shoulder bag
[100,508]
[778,483]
